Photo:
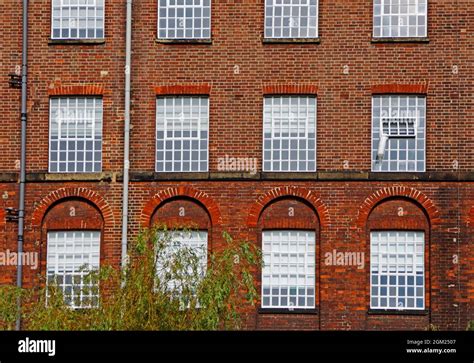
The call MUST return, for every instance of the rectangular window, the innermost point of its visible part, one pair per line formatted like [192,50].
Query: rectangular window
[289,134]
[182,134]
[291,18]
[288,275]
[398,133]
[400,18]
[70,257]
[179,240]
[75,144]
[184,19]
[397,270]
[77,19]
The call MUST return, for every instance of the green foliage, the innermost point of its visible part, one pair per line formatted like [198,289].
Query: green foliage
[470,325]
[163,287]
[8,304]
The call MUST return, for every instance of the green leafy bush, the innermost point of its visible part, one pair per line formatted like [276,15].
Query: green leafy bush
[161,288]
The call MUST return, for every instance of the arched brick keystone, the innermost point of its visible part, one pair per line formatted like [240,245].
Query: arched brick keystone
[393,192]
[287,191]
[181,191]
[79,192]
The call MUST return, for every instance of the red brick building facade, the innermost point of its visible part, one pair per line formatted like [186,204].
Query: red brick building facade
[343,67]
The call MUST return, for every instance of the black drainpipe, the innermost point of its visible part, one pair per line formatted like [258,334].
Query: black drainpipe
[21,207]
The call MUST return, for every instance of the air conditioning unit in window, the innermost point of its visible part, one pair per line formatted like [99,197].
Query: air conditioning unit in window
[382,147]
[395,127]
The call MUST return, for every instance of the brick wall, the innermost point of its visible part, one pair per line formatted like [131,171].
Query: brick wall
[341,202]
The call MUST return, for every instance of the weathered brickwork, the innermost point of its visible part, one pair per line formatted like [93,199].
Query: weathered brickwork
[341,202]
[354,208]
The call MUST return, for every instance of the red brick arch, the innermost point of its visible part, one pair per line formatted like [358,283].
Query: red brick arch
[63,193]
[288,191]
[181,191]
[401,192]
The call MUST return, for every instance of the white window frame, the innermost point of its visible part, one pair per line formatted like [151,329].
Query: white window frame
[72,255]
[396,151]
[175,111]
[90,14]
[408,12]
[174,6]
[397,264]
[176,240]
[289,271]
[68,113]
[274,107]
[276,14]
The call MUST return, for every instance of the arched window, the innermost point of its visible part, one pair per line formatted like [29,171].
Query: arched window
[73,231]
[189,224]
[289,229]
[398,231]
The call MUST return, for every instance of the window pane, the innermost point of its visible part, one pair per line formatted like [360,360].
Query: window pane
[71,256]
[393,270]
[190,19]
[288,275]
[77,123]
[400,18]
[289,128]
[182,134]
[291,19]
[398,133]
[73,20]
[178,241]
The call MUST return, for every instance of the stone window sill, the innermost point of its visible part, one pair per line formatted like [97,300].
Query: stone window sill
[401,40]
[293,176]
[287,311]
[397,312]
[291,40]
[289,175]
[76,41]
[101,176]
[183,41]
